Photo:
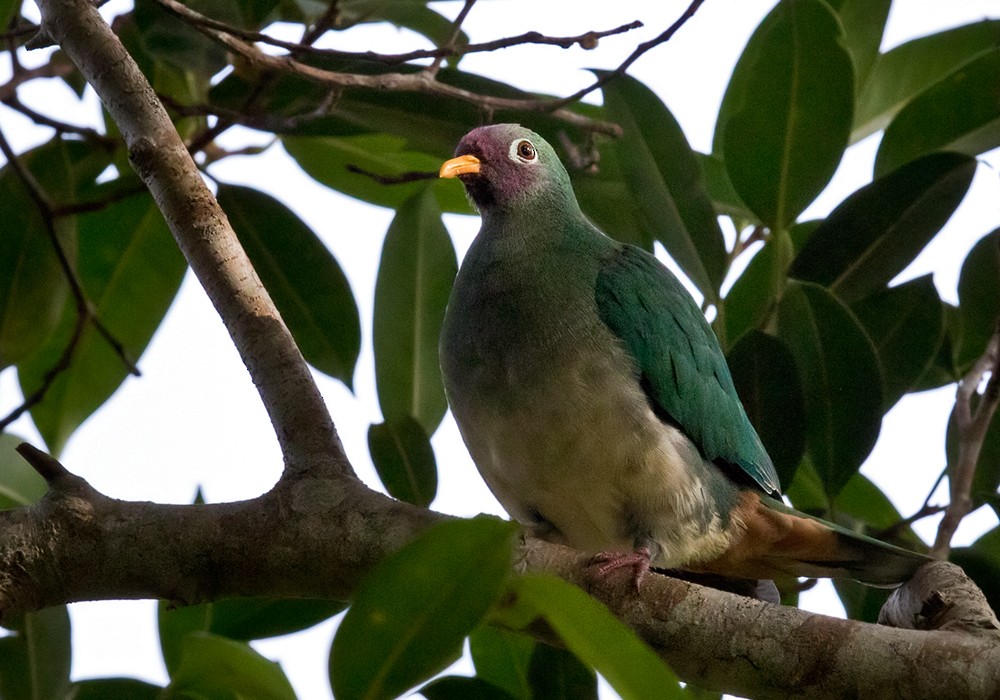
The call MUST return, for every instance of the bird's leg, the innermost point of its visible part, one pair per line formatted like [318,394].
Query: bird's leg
[604,563]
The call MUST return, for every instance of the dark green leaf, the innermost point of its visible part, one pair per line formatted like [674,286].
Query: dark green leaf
[557,674]
[906,324]
[327,160]
[307,285]
[412,612]
[32,284]
[502,657]
[909,69]
[130,269]
[35,659]
[421,19]
[870,512]
[979,297]
[463,688]
[766,379]
[665,180]
[20,484]
[606,201]
[864,24]
[179,44]
[404,459]
[861,602]
[942,369]
[981,562]
[931,122]
[115,689]
[9,9]
[877,231]
[841,380]
[595,636]
[721,191]
[415,276]
[216,668]
[753,297]
[240,619]
[787,112]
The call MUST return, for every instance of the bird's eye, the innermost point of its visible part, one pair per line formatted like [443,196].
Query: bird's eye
[523,150]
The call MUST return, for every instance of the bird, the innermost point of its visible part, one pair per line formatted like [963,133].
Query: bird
[595,399]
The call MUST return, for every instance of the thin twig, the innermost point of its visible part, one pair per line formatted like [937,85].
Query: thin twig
[925,511]
[398,82]
[642,48]
[47,466]
[402,178]
[46,70]
[46,209]
[971,426]
[456,32]
[15,103]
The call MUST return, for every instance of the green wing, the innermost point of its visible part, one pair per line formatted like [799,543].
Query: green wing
[680,363]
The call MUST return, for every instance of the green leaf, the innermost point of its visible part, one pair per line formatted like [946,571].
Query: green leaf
[981,562]
[864,25]
[786,115]
[841,380]
[877,231]
[412,612]
[931,122]
[130,269]
[503,657]
[215,668]
[664,177]
[979,298]
[179,44]
[906,324]
[597,638]
[115,689]
[861,602]
[35,659]
[416,272]
[607,202]
[20,485]
[32,284]
[417,17]
[721,191]
[240,619]
[907,70]
[754,295]
[764,373]
[404,459]
[314,298]
[558,675]
[9,9]
[463,688]
[327,160]
[942,369]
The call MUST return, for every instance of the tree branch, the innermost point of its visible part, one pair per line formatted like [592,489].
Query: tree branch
[971,426]
[724,642]
[301,421]
[419,82]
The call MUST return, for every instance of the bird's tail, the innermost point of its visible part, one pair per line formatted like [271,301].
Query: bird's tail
[813,547]
[777,540]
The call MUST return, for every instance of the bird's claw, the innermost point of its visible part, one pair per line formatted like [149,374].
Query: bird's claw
[604,563]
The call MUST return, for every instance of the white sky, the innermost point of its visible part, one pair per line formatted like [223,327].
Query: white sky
[194,418]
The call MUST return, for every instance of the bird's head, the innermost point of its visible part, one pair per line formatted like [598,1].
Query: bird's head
[504,165]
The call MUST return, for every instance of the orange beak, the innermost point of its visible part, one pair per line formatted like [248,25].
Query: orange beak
[462,165]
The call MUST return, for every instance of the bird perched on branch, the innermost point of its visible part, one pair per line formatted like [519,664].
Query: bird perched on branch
[594,397]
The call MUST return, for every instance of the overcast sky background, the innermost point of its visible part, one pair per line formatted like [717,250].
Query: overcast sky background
[194,418]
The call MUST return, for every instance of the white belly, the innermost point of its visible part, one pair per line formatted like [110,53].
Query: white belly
[590,458]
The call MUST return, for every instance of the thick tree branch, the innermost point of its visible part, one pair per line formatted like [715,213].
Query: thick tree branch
[298,414]
[742,646]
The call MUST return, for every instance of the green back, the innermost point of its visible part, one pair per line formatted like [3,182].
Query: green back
[681,366]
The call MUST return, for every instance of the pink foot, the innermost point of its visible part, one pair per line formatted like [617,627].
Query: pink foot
[604,563]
